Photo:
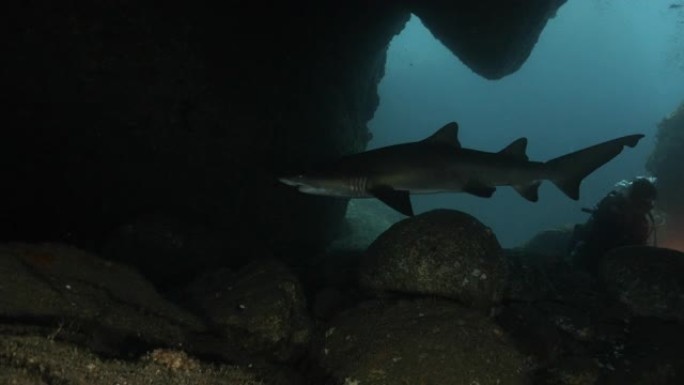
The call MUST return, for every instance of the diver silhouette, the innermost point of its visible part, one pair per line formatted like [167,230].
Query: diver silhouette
[623,217]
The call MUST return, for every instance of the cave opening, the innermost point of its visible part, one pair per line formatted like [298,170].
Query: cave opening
[613,77]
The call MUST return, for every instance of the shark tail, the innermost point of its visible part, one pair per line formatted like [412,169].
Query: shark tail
[567,171]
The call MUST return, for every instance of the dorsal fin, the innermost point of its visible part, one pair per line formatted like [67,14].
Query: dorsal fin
[517,149]
[445,135]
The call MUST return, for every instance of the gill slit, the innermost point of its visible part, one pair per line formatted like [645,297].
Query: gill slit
[358,185]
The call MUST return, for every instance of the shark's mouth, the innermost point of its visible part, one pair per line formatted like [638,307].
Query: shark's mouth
[303,187]
[313,190]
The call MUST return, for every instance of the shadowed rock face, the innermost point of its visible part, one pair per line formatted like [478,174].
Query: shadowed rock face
[666,164]
[261,308]
[114,113]
[648,280]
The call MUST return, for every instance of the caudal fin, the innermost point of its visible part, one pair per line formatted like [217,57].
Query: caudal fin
[567,171]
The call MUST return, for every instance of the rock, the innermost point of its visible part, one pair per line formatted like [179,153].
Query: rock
[570,371]
[261,308]
[329,301]
[441,252]
[534,277]
[418,342]
[73,295]
[14,376]
[649,280]
[169,249]
[39,361]
[148,106]
[550,242]
[149,111]
[651,354]
[665,163]
[532,330]
[338,266]
[493,38]
[529,277]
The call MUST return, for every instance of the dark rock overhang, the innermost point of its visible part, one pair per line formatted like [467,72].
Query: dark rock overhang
[492,37]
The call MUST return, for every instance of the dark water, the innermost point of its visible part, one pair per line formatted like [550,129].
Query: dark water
[601,69]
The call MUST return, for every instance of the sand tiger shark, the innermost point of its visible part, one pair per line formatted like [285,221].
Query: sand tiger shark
[439,164]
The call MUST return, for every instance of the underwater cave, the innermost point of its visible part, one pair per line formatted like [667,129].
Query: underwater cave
[146,237]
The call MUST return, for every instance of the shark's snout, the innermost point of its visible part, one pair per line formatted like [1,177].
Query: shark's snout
[300,182]
[315,185]
[288,181]
[291,180]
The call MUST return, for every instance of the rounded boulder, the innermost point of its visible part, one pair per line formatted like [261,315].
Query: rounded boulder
[649,280]
[425,341]
[442,252]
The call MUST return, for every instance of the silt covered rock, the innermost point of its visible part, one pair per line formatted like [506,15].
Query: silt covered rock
[649,280]
[418,342]
[34,360]
[261,308]
[76,296]
[442,252]
[546,277]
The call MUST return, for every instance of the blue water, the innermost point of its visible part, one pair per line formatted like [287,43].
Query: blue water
[601,69]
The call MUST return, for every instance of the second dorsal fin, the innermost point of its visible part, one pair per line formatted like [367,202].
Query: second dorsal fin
[517,149]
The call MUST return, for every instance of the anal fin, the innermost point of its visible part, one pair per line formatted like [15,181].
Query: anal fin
[529,191]
[396,199]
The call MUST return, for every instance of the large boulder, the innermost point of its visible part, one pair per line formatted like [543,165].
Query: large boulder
[64,292]
[442,252]
[418,342]
[261,308]
[649,280]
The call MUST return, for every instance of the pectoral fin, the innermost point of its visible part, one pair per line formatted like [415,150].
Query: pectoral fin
[396,199]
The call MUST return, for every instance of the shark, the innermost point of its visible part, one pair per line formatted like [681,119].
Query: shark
[439,164]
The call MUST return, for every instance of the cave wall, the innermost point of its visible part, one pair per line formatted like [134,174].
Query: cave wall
[665,163]
[115,111]
[167,125]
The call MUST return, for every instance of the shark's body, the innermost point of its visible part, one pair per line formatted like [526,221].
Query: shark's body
[440,164]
